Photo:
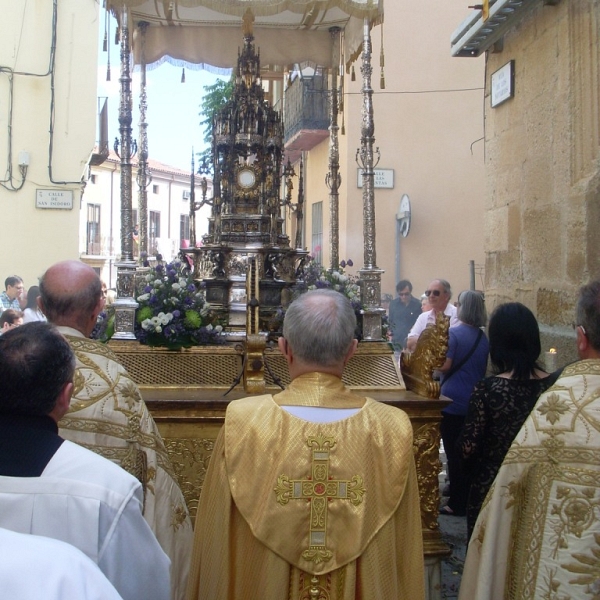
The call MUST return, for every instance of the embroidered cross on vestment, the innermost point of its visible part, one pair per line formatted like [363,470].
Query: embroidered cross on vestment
[319,489]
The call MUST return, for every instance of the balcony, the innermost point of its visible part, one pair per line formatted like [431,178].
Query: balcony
[100,153]
[306,116]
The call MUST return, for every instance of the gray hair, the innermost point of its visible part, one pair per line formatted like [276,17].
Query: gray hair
[471,308]
[446,285]
[320,326]
[588,312]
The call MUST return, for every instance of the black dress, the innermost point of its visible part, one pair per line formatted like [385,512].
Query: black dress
[498,408]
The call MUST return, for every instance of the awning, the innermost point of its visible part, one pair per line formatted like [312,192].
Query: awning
[208,33]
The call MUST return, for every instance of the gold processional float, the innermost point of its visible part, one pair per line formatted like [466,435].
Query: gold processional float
[249,272]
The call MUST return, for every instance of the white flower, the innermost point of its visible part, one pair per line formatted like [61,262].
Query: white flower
[322,278]
[174,300]
[157,283]
[163,318]
[219,328]
[158,329]
[147,324]
[312,287]
[143,297]
[148,278]
[343,278]
[175,287]
[209,327]
[182,282]
[337,287]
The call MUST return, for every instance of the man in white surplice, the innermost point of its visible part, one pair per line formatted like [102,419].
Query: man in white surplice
[109,416]
[54,488]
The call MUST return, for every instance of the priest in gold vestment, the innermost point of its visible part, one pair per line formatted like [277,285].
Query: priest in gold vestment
[109,416]
[538,533]
[311,493]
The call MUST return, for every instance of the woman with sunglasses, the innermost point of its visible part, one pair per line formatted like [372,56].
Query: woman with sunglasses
[465,365]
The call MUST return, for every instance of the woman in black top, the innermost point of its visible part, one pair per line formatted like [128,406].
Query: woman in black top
[500,404]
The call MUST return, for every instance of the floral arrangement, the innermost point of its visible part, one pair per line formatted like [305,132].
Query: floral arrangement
[172,311]
[317,277]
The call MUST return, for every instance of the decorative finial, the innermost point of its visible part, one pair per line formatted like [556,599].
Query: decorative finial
[248,24]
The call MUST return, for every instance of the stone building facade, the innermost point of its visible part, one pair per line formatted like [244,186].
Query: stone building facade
[542,159]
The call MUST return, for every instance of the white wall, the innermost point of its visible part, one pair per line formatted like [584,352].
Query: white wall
[32,238]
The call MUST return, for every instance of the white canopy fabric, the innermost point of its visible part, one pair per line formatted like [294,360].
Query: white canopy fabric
[208,33]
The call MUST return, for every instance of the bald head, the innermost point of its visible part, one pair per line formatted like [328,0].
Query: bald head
[71,295]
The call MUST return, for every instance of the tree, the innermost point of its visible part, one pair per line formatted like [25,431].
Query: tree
[215,98]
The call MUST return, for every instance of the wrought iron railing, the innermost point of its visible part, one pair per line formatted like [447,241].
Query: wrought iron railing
[306,105]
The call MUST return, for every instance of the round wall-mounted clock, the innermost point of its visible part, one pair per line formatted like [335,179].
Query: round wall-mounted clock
[246,178]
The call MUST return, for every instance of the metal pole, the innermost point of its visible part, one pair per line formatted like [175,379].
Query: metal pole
[143,177]
[472,273]
[333,178]
[125,110]
[370,274]
[125,304]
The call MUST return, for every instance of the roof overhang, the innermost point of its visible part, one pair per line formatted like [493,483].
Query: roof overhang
[474,35]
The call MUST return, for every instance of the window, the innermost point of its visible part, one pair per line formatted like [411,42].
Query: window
[186,194]
[155,189]
[93,229]
[154,231]
[317,231]
[184,228]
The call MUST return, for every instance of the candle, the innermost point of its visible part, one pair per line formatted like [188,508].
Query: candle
[550,357]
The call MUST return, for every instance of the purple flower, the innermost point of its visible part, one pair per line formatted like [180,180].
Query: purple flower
[176,314]
[148,289]
[350,263]
[343,264]
[191,288]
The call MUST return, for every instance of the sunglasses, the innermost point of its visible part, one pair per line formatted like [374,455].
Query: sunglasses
[432,292]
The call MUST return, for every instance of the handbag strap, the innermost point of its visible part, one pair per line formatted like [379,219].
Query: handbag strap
[465,359]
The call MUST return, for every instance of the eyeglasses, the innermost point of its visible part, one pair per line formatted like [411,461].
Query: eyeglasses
[575,326]
[434,292]
[404,294]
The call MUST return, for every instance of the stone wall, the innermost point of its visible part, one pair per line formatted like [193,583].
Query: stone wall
[542,234]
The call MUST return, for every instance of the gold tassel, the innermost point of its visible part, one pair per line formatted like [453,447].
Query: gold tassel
[343,130]
[118,35]
[382,63]
[183,75]
[353,75]
[108,71]
[105,42]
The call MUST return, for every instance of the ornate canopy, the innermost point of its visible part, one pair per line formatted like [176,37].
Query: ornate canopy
[206,33]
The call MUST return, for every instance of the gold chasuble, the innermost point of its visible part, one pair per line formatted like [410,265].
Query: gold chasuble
[538,533]
[292,509]
[109,417]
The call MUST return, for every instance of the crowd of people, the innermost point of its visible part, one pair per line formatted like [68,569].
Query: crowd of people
[521,444]
[311,492]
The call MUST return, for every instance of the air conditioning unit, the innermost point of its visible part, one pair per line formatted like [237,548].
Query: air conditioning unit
[186,194]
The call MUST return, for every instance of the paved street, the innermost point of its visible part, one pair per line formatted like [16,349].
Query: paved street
[454,533]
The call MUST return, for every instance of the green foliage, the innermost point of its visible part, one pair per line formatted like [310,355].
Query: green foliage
[215,98]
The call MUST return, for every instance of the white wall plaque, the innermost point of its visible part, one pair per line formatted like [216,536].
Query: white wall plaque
[61,199]
[384,178]
[503,84]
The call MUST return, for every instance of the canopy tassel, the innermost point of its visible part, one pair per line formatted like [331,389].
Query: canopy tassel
[183,75]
